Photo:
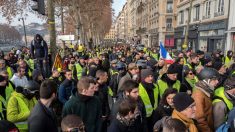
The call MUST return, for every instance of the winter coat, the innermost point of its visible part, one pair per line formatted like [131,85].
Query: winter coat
[88,108]
[203,99]
[162,111]
[189,123]
[102,94]
[140,119]
[39,48]
[123,79]
[65,90]
[42,119]
[121,126]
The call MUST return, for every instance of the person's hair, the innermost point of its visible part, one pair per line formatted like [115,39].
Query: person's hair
[127,105]
[174,125]
[167,92]
[100,73]
[193,55]
[67,70]
[129,85]
[84,83]
[47,88]
[177,60]
[19,68]
[71,121]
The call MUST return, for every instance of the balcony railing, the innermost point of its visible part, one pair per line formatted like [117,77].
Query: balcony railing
[219,14]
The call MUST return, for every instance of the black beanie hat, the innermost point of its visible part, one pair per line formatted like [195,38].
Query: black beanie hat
[217,65]
[145,73]
[172,69]
[182,100]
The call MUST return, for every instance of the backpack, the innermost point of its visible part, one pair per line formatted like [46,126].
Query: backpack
[225,127]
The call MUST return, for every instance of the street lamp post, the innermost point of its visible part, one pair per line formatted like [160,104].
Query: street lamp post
[24,31]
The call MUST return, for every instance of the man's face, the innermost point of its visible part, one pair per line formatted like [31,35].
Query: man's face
[190,112]
[173,77]
[222,70]
[91,90]
[68,75]
[214,82]
[56,74]
[133,94]
[134,71]
[2,64]
[195,60]
[104,78]
[3,83]
[22,72]
[22,64]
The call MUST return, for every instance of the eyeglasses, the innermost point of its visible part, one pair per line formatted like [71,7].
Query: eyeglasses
[81,128]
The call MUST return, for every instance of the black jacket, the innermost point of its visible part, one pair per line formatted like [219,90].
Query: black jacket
[39,48]
[42,119]
[117,126]
[140,121]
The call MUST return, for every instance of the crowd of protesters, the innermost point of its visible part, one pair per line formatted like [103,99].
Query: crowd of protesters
[116,89]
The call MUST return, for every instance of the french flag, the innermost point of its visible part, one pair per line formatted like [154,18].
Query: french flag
[165,55]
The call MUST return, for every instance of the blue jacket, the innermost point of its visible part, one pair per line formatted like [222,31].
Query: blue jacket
[65,90]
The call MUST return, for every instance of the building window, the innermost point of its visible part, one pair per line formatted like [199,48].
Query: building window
[208,8]
[169,24]
[197,12]
[169,8]
[220,5]
[181,15]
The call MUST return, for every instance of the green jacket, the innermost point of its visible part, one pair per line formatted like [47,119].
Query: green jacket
[18,110]
[88,108]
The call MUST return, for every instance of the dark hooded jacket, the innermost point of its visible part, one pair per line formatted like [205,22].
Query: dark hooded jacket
[39,47]
[86,107]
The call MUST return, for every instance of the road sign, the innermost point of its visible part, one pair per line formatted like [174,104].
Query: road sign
[66,37]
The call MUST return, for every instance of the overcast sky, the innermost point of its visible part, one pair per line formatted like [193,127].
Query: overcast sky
[32,18]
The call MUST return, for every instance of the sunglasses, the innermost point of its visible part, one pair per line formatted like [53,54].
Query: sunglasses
[190,73]
[78,129]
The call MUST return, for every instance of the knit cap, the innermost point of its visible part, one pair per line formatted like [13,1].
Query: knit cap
[172,69]
[145,73]
[217,65]
[182,100]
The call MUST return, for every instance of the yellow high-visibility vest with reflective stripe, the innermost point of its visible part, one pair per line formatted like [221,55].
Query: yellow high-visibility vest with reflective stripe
[163,86]
[220,93]
[145,98]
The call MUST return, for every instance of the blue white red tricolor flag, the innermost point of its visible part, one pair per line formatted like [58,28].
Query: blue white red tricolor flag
[165,55]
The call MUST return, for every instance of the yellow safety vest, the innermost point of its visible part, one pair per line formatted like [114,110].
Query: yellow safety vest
[220,93]
[227,61]
[155,56]
[79,70]
[9,89]
[31,63]
[110,91]
[2,103]
[163,86]
[145,98]
[10,72]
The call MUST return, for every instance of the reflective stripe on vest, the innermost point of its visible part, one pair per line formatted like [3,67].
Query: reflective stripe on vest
[110,91]
[79,70]
[10,73]
[145,98]
[189,66]
[2,102]
[163,86]
[220,93]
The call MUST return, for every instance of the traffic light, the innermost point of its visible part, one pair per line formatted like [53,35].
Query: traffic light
[39,6]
